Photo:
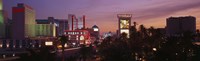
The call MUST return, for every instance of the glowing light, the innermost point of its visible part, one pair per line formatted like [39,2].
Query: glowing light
[49,43]
[77,37]
[74,43]
[13,55]
[59,46]
[124,24]
[7,45]
[96,29]
[0,45]
[17,10]
[81,37]
[65,45]
[39,45]
[4,56]
[125,31]
[154,49]
[1,5]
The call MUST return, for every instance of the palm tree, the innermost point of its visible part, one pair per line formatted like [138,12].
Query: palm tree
[63,40]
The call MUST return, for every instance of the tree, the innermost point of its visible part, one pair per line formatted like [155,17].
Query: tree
[63,39]
[177,48]
[115,50]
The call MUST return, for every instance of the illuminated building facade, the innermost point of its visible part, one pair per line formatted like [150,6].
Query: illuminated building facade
[1,4]
[78,36]
[62,26]
[76,31]
[2,27]
[23,22]
[45,30]
[124,23]
[179,25]
[95,33]
[3,22]
[76,22]
[57,26]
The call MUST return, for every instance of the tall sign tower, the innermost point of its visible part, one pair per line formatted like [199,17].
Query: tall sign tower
[2,26]
[1,12]
[124,23]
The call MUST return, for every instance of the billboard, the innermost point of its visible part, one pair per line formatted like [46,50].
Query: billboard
[124,24]
[125,31]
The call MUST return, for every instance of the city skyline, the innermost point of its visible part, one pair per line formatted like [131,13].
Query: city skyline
[104,12]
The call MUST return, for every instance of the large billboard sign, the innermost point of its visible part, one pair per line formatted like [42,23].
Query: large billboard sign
[124,23]
[125,31]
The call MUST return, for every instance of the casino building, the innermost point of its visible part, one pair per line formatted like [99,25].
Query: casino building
[77,33]
[23,22]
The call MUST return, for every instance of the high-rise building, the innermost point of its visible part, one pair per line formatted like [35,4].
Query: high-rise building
[124,23]
[3,20]
[23,22]
[76,22]
[179,25]
[1,4]
[62,26]
[57,26]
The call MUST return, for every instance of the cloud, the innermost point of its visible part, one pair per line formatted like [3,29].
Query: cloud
[166,9]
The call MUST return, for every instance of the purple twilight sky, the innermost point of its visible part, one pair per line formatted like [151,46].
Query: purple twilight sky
[103,13]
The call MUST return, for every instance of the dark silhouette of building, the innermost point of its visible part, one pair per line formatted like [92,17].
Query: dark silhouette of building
[3,20]
[95,32]
[179,25]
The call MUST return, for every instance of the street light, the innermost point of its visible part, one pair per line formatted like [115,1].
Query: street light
[154,49]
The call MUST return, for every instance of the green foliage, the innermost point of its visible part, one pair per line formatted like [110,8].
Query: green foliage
[63,39]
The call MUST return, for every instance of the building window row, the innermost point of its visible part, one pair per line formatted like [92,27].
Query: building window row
[74,33]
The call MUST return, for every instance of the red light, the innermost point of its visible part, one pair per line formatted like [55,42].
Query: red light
[18,10]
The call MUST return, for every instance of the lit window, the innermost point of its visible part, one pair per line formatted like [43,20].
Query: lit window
[7,45]
[95,29]
[77,37]
[69,37]
[81,37]
[49,43]
[0,45]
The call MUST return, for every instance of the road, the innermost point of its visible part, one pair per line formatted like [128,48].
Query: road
[72,54]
